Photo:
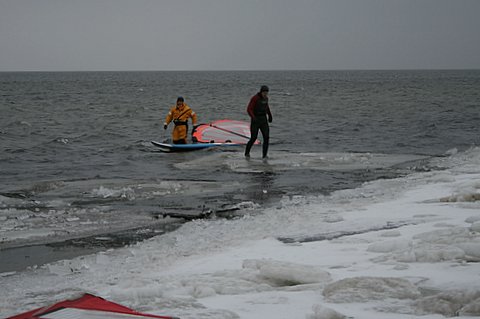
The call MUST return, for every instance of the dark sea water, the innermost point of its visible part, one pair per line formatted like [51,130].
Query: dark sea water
[75,151]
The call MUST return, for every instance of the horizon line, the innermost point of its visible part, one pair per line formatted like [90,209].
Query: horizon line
[246,70]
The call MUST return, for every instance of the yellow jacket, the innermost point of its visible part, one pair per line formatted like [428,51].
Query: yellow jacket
[179,114]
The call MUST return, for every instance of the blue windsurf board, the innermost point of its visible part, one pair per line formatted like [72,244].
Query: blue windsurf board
[170,148]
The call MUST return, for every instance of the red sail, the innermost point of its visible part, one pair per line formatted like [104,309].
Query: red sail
[223,131]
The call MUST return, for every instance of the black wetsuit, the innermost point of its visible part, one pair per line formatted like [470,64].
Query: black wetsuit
[260,115]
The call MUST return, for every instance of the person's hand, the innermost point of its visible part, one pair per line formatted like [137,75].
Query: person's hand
[270,119]
[165,126]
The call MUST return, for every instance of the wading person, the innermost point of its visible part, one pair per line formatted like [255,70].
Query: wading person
[260,116]
[179,115]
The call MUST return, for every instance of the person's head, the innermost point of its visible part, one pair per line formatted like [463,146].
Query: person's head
[180,100]
[264,90]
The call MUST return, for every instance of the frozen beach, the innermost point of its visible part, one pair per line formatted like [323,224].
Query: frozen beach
[400,248]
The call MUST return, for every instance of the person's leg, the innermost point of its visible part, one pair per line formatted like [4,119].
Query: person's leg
[179,134]
[180,141]
[266,137]
[253,138]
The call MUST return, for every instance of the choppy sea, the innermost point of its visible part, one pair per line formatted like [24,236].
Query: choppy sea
[78,171]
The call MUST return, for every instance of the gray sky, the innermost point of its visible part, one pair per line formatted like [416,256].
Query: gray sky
[61,35]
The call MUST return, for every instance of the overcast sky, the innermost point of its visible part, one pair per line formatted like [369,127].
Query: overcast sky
[61,35]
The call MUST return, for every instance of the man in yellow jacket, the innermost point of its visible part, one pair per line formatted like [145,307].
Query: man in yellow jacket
[179,115]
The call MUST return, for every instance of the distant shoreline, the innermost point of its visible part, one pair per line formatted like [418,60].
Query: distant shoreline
[256,71]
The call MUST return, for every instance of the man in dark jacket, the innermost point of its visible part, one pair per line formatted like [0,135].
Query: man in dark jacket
[259,113]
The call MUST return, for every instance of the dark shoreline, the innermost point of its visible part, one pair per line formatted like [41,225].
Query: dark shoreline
[20,258]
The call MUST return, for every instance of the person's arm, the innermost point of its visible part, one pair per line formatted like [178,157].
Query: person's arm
[270,118]
[193,115]
[251,106]
[168,119]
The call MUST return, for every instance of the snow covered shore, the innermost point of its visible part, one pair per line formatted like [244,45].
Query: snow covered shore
[399,248]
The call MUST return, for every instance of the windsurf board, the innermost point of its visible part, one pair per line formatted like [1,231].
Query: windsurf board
[170,148]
